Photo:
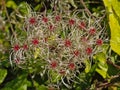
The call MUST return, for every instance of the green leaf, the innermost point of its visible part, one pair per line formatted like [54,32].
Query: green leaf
[101,72]
[11,4]
[102,65]
[101,57]
[112,70]
[3,73]
[19,83]
[88,66]
[55,76]
[42,87]
[72,3]
[39,87]
[102,69]
[24,8]
[84,81]
[37,52]
[38,7]
[114,22]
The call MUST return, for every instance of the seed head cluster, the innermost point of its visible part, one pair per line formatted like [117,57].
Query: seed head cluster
[58,42]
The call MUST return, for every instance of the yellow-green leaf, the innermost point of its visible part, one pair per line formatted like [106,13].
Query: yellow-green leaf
[114,22]
[3,73]
[102,65]
[36,53]
[11,4]
[101,72]
[19,83]
[88,66]
[100,57]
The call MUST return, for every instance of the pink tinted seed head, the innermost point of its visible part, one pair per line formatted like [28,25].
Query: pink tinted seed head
[71,66]
[25,47]
[71,22]
[17,61]
[67,43]
[82,25]
[89,51]
[84,39]
[57,18]
[76,53]
[35,41]
[45,19]
[99,42]
[32,20]
[16,47]
[92,31]
[53,64]
[51,27]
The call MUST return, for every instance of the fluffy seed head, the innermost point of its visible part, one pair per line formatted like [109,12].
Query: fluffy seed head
[16,47]
[66,38]
[71,66]
[35,41]
[53,64]
[67,43]
[32,20]
[89,50]
[71,22]
[92,31]
[99,42]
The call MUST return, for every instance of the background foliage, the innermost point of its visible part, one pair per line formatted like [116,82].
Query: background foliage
[103,74]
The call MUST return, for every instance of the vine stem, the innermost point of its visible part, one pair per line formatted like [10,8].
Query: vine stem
[86,9]
[107,84]
[11,27]
[111,63]
[82,2]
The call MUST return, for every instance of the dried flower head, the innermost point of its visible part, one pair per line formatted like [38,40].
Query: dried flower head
[63,42]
